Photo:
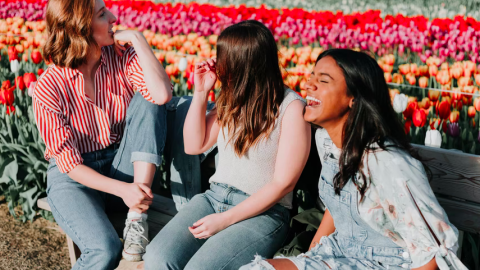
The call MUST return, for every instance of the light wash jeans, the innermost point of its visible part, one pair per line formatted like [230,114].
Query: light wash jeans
[175,247]
[81,211]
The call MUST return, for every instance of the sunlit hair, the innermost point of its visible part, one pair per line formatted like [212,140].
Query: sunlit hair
[69,32]
[252,84]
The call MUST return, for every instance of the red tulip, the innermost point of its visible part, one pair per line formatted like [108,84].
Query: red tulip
[408,124]
[10,109]
[419,118]
[12,53]
[40,71]
[36,56]
[411,107]
[28,78]
[20,83]
[211,96]
[443,109]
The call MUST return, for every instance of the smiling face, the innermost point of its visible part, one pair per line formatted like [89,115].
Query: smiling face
[102,24]
[328,101]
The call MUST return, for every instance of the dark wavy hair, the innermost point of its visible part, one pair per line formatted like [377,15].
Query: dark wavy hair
[252,84]
[69,32]
[371,118]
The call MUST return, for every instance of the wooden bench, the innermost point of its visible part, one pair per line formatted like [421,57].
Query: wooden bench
[456,182]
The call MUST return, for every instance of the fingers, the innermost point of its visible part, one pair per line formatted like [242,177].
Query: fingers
[147,190]
[199,222]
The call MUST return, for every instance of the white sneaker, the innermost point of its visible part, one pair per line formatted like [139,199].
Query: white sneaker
[135,236]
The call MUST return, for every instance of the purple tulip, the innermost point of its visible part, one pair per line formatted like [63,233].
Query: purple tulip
[453,129]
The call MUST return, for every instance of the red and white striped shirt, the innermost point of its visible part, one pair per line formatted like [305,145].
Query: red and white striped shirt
[68,120]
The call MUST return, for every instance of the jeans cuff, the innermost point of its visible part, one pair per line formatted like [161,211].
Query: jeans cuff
[147,157]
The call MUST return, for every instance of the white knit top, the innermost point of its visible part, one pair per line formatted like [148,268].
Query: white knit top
[256,168]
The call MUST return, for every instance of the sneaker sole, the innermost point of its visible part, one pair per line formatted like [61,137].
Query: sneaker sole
[132,257]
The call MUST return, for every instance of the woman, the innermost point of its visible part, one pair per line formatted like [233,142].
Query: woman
[381,212]
[263,144]
[103,141]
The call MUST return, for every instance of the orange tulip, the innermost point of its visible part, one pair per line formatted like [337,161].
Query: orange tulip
[423,82]
[423,70]
[471,112]
[454,116]
[404,69]
[387,68]
[476,104]
[443,77]
[456,72]
[425,103]
[414,69]
[464,81]
[397,78]
[433,95]
[389,59]
[477,78]
[433,71]
[411,79]
[388,77]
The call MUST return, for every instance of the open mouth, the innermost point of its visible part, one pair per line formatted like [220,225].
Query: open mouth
[111,32]
[311,101]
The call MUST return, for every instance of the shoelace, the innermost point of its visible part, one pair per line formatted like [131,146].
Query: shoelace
[135,233]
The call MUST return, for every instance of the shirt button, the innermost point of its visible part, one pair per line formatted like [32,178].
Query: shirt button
[405,255]
[405,265]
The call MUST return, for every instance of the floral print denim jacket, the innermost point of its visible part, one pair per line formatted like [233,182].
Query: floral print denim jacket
[399,188]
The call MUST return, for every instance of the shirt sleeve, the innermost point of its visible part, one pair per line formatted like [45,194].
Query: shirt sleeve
[54,129]
[408,204]
[135,74]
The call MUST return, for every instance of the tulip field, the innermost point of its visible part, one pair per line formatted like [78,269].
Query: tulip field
[431,65]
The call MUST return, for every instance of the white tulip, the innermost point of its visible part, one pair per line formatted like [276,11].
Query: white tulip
[433,138]
[400,102]
[14,66]
[183,64]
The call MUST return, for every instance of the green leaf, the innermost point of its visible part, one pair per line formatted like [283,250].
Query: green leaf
[30,197]
[10,173]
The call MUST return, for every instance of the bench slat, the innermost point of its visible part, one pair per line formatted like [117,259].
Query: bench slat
[455,173]
[464,215]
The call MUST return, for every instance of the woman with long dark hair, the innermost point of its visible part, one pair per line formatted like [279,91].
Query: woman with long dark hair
[98,109]
[381,212]
[263,145]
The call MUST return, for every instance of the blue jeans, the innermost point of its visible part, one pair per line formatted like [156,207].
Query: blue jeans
[81,211]
[175,247]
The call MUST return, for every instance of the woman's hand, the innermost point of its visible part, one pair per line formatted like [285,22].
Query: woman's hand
[123,39]
[205,75]
[209,226]
[137,196]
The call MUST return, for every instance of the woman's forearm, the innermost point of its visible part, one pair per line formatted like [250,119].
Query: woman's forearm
[259,202]
[194,129]
[92,179]
[156,79]
[326,228]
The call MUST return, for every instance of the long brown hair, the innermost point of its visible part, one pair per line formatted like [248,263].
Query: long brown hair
[69,32]
[252,84]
